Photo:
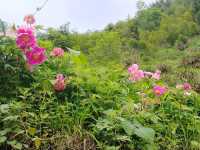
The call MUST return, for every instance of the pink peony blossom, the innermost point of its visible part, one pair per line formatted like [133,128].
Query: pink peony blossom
[57,52]
[29,19]
[156,75]
[187,86]
[25,38]
[135,73]
[159,90]
[133,68]
[59,84]
[36,56]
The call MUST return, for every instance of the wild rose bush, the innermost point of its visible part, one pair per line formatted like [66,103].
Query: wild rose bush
[65,102]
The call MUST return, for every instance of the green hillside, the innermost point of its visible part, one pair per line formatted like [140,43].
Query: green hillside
[132,86]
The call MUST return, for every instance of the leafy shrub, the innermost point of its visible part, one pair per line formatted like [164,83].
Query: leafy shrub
[12,73]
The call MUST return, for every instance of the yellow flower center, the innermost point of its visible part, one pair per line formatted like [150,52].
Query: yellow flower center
[35,56]
[25,38]
[158,92]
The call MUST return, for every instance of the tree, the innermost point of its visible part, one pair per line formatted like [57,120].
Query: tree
[64,28]
[3,27]
[149,19]
[196,9]
[107,48]
[141,5]
[162,4]
[59,39]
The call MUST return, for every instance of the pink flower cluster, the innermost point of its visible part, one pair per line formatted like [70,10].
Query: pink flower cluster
[57,52]
[136,74]
[27,42]
[59,84]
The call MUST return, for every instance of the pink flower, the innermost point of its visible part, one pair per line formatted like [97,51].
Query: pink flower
[187,86]
[159,90]
[36,56]
[29,19]
[25,38]
[57,52]
[135,73]
[59,84]
[133,68]
[148,74]
[156,75]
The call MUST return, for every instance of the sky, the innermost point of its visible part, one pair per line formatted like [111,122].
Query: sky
[83,15]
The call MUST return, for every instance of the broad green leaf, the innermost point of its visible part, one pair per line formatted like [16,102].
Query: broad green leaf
[2,139]
[5,131]
[145,133]
[128,127]
[4,108]
[11,118]
[136,128]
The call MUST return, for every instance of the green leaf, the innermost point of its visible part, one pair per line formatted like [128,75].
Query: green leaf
[145,133]
[195,145]
[46,85]
[2,139]
[112,148]
[5,131]
[128,127]
[4,108]
[11,118]
[18,146]
[8,66]
[31,131]
[15,144]
[37,142]
[123,138]
[136,128]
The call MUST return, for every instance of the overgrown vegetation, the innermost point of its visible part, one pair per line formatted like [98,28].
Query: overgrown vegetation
[100,108]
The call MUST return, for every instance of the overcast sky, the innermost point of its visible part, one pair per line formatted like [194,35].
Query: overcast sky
[82,14]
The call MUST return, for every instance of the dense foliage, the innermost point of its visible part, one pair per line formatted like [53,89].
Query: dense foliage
[88,100]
